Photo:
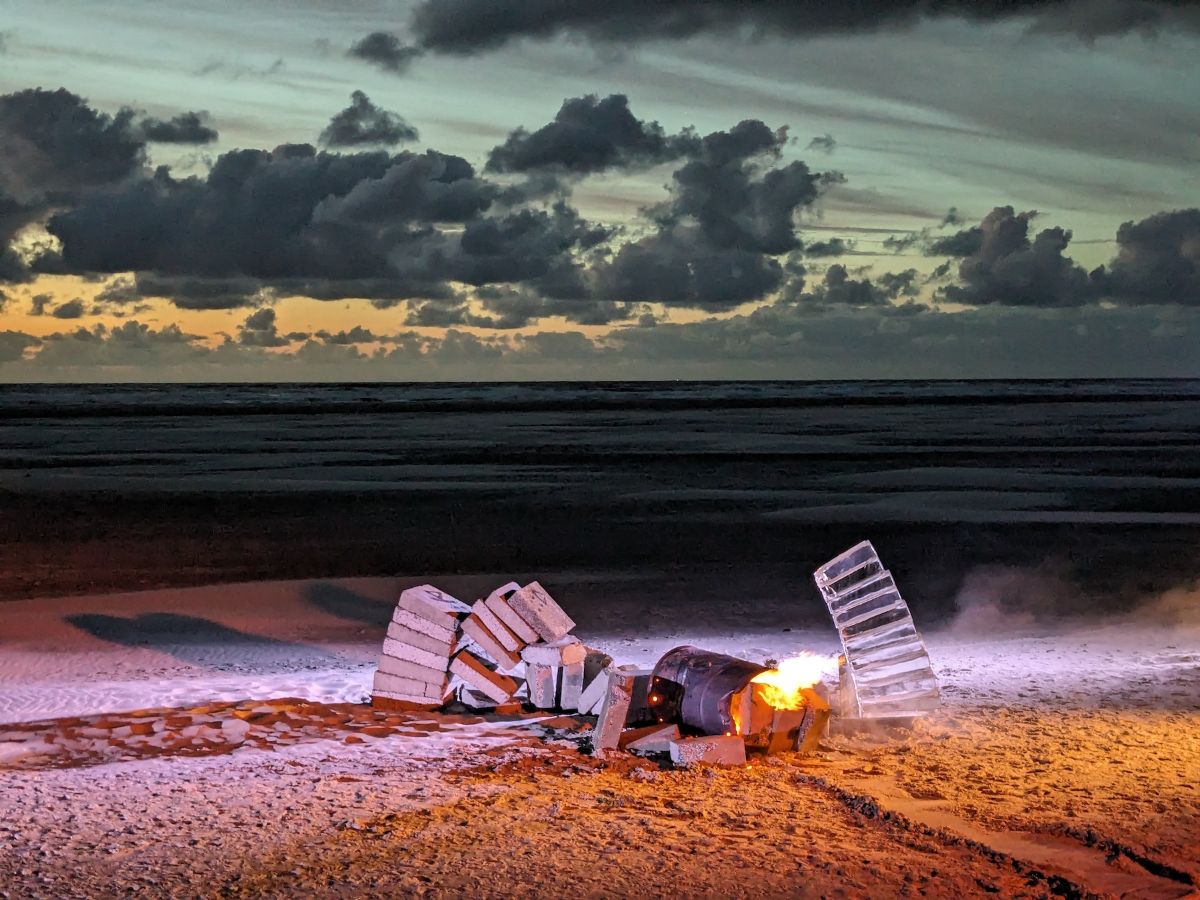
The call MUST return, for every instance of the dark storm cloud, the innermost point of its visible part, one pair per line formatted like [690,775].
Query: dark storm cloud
[72,309]
[1000,264]
[186,292]
[362,122]
[590,135]
[259,330]
[473,26]
[55,150]
[185,128]
[838,288]
[385,51]
[824,143]
[518,307]
[292,219]
[730,213]
[355,335]
[1158,261]
[1102,18]
[832,247]
[13,345]
[53,146]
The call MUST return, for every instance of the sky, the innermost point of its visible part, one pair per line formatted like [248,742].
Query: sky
[525,189]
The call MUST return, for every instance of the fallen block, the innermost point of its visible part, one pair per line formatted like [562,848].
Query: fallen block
[593,694]
[402,669]
[474,628]
[563,652]
[649,738]
[639,708]
[433,604]
[472,670]
[613,710]
[410,620]
[571,688]
[498,629]
[720,750]
[543,683]
[402,702]
[594,663]
[405,653]
[538,608]
[497,602]
[395,684]
[421,641]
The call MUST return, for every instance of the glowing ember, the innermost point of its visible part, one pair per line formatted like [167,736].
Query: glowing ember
[783,686]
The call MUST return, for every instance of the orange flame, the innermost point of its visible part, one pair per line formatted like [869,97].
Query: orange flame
[783,686]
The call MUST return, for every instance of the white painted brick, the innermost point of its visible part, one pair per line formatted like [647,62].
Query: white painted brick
[498,604]
[411,670]
[571,688]
[410,620]
[503,591]
[720,750]
[593,694]
[396,685]
[538,608]
[613,710]
[433,604]
[543,684]
[471,670]
[474,628]
[407,699]
[405,653]
[653,739]
[499,630]
[418,640]
[565,651]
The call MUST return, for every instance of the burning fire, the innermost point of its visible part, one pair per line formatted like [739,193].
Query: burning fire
[783,686]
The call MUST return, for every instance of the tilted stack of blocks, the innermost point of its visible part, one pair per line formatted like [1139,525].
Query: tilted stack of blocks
[516,641]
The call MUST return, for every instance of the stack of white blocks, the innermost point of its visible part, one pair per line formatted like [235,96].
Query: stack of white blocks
[438,647]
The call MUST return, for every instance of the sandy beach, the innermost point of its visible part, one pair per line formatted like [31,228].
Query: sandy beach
[1063,763]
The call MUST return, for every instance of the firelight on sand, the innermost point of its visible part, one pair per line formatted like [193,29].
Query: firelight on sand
[784,686]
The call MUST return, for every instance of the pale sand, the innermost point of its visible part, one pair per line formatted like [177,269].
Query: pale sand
[1072,756]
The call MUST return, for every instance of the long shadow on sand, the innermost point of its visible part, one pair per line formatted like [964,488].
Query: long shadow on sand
[187,638]
[346,604]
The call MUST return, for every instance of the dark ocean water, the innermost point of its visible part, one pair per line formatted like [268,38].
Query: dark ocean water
[1046,451]
[732,476]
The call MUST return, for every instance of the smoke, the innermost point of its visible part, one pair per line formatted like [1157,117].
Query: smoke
[1003,600]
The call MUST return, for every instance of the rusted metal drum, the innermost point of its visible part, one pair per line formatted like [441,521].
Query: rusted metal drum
[694,687]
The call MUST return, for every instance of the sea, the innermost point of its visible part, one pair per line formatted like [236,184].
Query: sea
[1089,476]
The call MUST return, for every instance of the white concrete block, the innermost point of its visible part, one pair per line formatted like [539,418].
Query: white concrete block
[565,651]
[543,685]
[499,630]
[395,684]
[652,739]
[405,653]
[593,693]
[410,620]
[393,700]
[613,710]
[471,670]
[474,628]
[498,604]
[571,686]
[404,669]
[433,604]
[538,608]
[719,750]
[418,640]
[503,591]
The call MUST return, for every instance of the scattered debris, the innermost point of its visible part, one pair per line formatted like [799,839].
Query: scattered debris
[515,647]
